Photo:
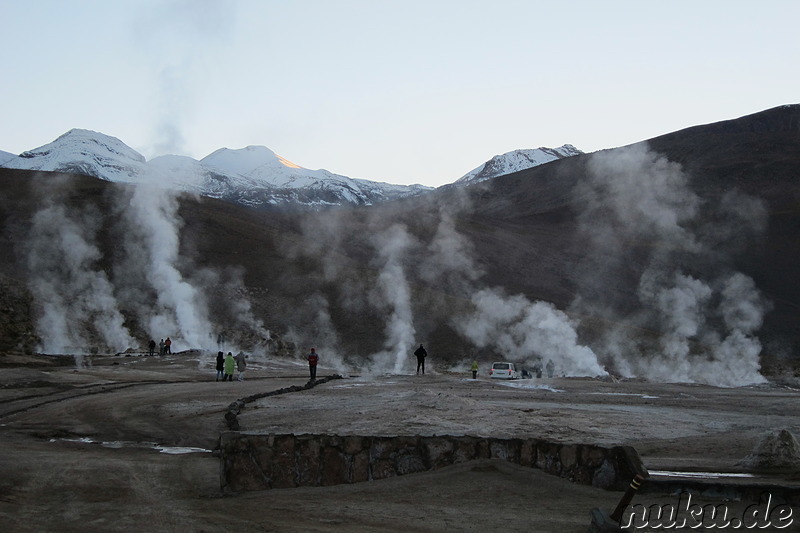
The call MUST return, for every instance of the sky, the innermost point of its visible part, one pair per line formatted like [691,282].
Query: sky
[401,91]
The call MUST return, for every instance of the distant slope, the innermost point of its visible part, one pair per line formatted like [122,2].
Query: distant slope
[6,156]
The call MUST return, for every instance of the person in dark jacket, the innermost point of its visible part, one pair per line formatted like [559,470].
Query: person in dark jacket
[421,355]
[313,359]
[220,366]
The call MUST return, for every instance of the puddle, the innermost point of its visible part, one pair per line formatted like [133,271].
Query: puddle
[349,386]
[645,396]
[170,450]
[518,385]
[699,475]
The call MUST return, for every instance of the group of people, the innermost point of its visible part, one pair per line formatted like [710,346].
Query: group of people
[228,364]
[164,347]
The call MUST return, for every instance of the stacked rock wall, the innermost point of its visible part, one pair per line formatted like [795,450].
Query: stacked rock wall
[253,461]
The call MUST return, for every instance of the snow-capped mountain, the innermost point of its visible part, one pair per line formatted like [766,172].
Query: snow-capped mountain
[254,176]
[265,166]
[515,161]
[85,152]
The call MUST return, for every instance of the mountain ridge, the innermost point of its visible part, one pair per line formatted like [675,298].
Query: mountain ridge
[254,176]
[264,180]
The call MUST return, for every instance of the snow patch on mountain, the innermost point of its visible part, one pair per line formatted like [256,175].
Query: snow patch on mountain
[5,157]
[515,161]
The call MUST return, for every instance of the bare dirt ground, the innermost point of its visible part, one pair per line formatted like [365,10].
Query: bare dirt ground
[124,444]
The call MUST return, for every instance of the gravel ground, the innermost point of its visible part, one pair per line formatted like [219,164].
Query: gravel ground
[124,444]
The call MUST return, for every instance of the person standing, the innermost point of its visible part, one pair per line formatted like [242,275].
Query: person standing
[220,366]
[241,364]
[152,346]
[168,346]
[474,370]
[313,359]
[421,355]
[229,367]
[161,347]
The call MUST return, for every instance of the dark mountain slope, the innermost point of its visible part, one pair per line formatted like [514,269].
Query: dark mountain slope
[757,156]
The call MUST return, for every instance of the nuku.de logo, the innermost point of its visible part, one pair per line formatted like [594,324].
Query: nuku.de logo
[687,515]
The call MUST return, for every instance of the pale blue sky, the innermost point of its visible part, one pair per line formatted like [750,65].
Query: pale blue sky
[404,91]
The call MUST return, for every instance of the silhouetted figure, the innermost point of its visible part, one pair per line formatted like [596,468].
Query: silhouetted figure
[152,346]
[220,366]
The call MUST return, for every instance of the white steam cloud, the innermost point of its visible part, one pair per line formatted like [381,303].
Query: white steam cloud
[688,327]
[72,292]
[179,307]
[82,309]
[526,331]
[512,326]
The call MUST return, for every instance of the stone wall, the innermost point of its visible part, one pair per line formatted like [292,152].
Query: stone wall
[254,461]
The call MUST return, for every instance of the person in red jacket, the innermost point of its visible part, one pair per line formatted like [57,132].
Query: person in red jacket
[313,359]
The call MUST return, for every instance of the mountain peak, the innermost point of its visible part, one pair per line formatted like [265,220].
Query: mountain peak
[84,152]
[515,161]
[247,160]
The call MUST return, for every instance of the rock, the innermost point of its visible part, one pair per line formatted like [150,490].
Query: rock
[776,449]
[605,476]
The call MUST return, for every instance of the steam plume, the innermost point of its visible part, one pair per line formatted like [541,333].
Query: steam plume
[72,291]
[392,294]
[704,322]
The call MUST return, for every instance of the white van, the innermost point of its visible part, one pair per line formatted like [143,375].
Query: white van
[503,371]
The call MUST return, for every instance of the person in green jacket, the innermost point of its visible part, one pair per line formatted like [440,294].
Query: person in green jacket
[474,370]
[230,366]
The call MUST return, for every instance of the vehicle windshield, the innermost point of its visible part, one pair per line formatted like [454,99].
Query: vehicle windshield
[501,366]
